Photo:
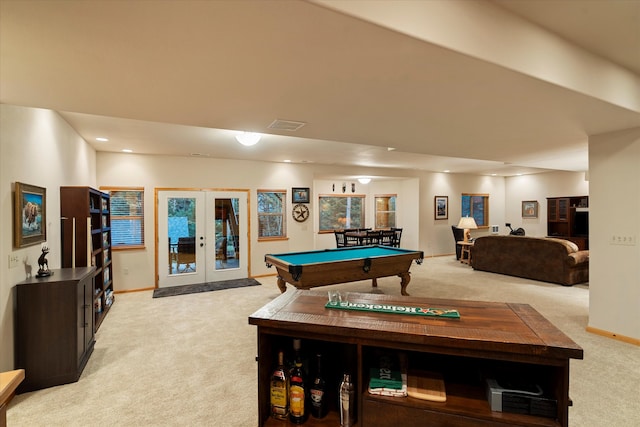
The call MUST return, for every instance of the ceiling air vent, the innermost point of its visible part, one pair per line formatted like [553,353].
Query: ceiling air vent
[288,125]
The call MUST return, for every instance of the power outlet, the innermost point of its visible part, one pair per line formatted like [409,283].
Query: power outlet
[624,240]
[13,260]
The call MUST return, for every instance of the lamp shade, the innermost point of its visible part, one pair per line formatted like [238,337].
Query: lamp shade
[248,138]
[467,223]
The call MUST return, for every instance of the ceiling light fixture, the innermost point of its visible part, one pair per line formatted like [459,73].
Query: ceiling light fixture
[127,150]
[102,139]
[364,180]
[248,138]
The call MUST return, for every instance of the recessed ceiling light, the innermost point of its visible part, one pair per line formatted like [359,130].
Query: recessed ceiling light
[101,139]
[447,171]
[364,180]
[287,161]
[127,150]
[390,149]
[494,174]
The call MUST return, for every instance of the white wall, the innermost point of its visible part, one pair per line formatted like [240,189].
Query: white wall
[436,235]
[151,172]
[37,147]
[407,192]
[538,187]
[614,209]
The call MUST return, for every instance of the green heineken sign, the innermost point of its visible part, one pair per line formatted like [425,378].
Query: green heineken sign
[394,309]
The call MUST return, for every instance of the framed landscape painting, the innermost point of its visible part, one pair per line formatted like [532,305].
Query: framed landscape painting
[441,204]
[300,195]
[29,217]
[530,209]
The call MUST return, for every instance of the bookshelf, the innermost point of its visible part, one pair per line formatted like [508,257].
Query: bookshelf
[86,241]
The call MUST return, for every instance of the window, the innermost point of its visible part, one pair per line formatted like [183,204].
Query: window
[127,217]
[339,212]
[385,211]
[271,218]
[476,206]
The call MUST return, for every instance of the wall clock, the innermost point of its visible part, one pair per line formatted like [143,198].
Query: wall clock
[300,212]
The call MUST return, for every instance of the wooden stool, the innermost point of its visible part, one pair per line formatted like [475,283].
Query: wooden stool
[466,249]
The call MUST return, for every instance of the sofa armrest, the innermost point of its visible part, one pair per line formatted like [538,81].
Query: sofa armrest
[577,258]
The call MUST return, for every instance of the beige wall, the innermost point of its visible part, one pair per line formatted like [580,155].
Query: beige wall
[37,147]
[539,187]
[614,209]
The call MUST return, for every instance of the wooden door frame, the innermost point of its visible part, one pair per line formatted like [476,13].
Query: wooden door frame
[156,240]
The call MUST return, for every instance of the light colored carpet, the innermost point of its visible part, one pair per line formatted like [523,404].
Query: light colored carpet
[190,360]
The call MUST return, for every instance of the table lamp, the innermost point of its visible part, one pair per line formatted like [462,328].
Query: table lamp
[467,223]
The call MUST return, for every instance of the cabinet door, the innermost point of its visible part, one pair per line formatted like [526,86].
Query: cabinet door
[563,209]
[552,210]
[85,317]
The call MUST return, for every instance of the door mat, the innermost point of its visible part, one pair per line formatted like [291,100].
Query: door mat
[203,287]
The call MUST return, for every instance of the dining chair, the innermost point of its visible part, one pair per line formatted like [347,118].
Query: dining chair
[388,237]
[397,237]
[352,240]
[186,254]
[373,237]
[340,239]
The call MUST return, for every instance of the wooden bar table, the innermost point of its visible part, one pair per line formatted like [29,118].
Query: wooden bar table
[489,338]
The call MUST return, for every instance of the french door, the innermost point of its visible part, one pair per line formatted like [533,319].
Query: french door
[202,237]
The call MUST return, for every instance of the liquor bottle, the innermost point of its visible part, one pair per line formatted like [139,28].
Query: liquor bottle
[279,390]
[347,402]
[316,392]
[297,389]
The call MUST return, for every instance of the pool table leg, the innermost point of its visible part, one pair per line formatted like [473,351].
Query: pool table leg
[404,282]
[282,284]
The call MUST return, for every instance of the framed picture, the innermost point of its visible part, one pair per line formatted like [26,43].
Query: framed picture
[530,209]
[441,205]
[30,215]
[300,194]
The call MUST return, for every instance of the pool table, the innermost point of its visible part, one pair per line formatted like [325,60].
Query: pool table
[306,270]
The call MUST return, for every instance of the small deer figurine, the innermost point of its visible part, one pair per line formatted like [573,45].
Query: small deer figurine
[43,264]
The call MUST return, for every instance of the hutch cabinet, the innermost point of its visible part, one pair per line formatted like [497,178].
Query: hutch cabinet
[568,218]
[54,327]
[86,241]
[509,340]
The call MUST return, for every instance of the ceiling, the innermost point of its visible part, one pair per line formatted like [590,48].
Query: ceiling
[180,78]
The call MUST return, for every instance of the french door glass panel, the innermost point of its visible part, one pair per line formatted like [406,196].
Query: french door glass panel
[202,237]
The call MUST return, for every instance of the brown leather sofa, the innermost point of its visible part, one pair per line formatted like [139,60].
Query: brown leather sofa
[538,258]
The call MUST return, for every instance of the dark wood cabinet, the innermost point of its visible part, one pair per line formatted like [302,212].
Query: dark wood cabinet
[568,218]
[498,338]
[86,241]
[54,327]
